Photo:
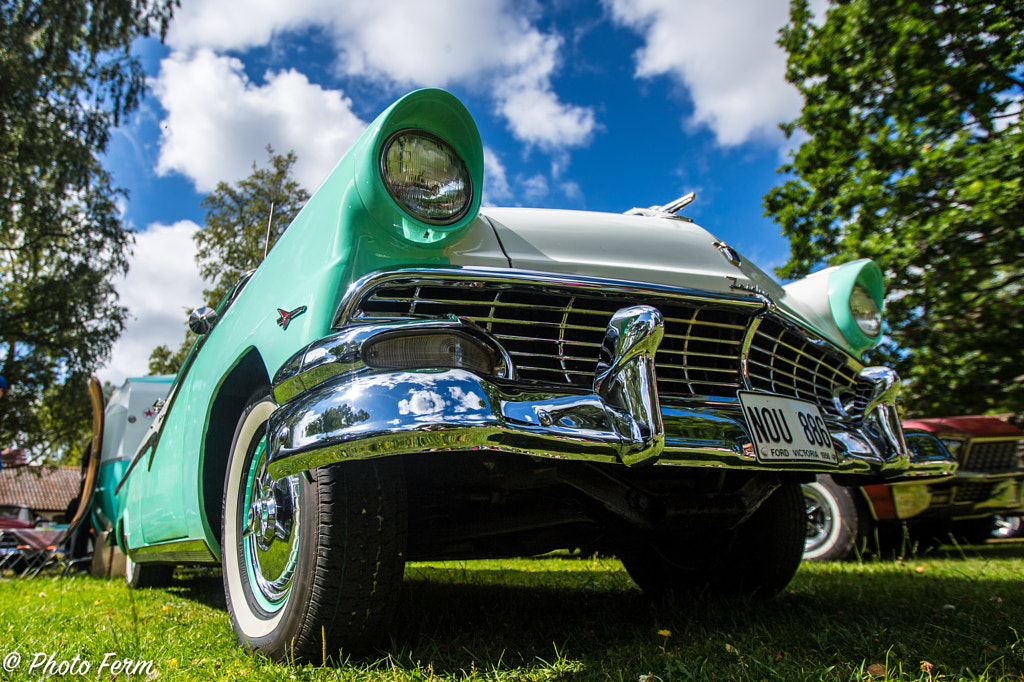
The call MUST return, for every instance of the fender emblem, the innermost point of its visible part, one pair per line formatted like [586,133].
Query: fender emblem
[286,316]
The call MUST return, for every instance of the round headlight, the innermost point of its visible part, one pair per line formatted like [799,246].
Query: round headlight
[427,178]
[865,311]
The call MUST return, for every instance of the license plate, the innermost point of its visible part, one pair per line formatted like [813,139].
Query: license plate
[786,430]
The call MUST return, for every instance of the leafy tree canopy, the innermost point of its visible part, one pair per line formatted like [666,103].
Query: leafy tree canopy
[67,77]
[236,237]
[913,155]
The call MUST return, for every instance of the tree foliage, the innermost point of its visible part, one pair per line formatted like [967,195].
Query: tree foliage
[67,77]
[914,156]
[236,237]
[163,360]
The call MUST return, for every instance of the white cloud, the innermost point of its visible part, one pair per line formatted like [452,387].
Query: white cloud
[725,54]
[486,44]
[535,115]
[535,188]
[572,190]
[218,122]
[496,187]
[163,282]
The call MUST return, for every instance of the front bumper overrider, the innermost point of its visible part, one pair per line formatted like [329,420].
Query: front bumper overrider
[334,407]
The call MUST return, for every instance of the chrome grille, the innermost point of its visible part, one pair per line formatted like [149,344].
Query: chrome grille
[993,456]
[972,492]
[554,335]
[554,332]
[783,361]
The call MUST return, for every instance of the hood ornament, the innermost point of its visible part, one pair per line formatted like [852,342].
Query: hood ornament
[669,210]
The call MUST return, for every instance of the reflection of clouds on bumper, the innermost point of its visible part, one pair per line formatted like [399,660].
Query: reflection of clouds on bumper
[424,402]
[421,403]
[465,401]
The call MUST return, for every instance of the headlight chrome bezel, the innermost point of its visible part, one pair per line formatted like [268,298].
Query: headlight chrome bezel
[417,210]
[862,279]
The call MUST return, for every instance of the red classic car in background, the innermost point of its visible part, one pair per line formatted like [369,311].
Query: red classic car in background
[17,516]
[985,496]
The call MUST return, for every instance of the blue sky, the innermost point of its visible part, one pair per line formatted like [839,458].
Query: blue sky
[581,104]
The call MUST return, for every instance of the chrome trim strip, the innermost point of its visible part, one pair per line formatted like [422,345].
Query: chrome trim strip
[540,279]
[174,551]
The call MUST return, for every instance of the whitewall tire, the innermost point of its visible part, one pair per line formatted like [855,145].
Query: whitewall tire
[312,566]
[835,523]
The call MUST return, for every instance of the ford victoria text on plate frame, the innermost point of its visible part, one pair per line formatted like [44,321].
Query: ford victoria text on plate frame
[410,376]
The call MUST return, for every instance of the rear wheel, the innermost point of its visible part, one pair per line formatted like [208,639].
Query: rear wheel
[311,567]
[147,575]
[759,557]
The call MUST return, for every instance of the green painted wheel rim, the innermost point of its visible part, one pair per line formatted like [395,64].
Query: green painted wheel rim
[269,564]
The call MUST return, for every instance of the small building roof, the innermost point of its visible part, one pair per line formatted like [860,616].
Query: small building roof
[40,488]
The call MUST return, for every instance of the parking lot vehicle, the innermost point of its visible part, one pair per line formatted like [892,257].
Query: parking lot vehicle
[408,376]
[13,518]
[120,423]
[984,497]
[17,516]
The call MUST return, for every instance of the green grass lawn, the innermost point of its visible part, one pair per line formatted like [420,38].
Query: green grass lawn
[949,616]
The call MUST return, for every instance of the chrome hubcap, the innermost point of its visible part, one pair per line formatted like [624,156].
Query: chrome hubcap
[271,533]
[271,514]
[819,520]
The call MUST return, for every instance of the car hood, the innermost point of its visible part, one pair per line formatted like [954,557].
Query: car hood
[668,251]
[965,426]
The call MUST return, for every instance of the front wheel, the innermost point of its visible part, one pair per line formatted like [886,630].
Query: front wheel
[759,557]
[312,566]
[835,524]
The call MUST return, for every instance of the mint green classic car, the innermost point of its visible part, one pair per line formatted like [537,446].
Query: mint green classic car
[126,417]
[410,376]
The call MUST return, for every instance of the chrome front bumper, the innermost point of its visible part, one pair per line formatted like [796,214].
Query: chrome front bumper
[334,408]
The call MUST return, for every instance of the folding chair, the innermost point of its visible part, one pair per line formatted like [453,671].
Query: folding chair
[11,559]
[59,554]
